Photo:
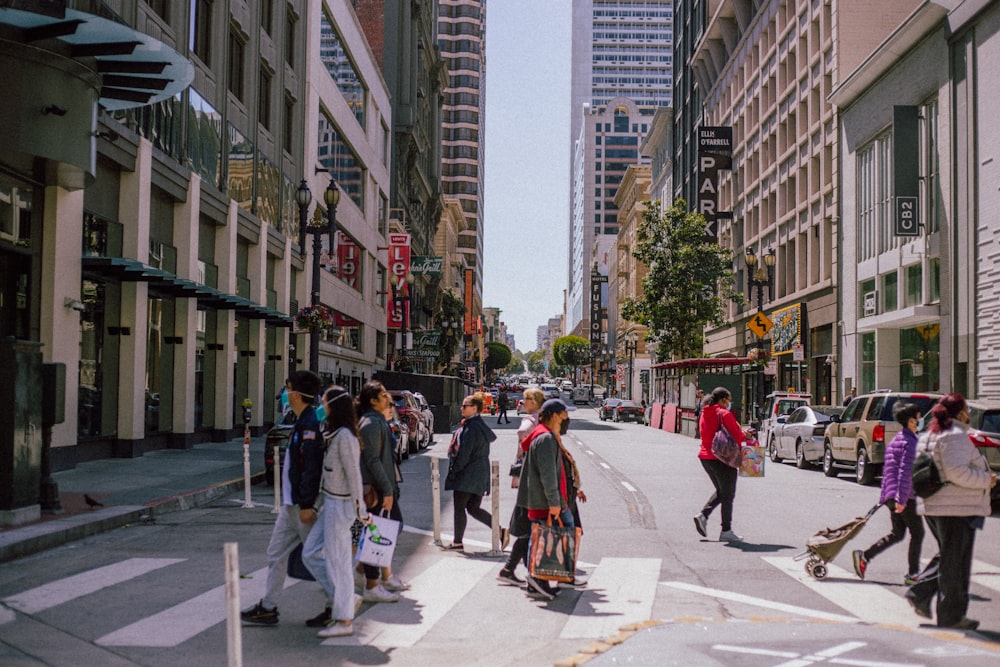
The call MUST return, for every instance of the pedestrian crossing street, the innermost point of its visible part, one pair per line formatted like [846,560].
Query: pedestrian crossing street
[619,591]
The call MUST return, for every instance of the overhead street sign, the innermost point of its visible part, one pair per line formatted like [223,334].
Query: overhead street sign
[760,324]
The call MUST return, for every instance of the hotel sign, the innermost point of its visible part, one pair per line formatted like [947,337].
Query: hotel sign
[715,154]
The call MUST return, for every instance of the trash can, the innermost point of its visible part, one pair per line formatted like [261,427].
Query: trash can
[20,430]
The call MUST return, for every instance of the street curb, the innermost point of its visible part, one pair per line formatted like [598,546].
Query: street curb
[29,540]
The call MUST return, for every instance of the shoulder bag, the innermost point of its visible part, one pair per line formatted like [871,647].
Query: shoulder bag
[926,476]
[724,446]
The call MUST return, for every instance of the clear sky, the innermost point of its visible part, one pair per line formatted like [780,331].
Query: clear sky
[527,187]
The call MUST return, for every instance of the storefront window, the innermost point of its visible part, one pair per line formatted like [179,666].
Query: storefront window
[914,278]
[935,280]
[159,366]
[868,362]
[867,299]
[890,291]
[919,358]
[98,373]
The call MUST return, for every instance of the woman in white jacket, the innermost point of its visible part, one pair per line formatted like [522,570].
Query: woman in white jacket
[954,514]
[327,550]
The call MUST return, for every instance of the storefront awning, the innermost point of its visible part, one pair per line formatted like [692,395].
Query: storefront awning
[167,284]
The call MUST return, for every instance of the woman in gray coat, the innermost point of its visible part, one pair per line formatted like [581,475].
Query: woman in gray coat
[954,514]
[469,468]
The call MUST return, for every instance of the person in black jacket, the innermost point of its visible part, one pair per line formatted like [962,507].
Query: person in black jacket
[469,468]
[300,475]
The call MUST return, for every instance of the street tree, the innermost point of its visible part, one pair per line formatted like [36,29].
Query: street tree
[498,356]
[571,352]
[452,310]
[516,365]
[689,283]
[536,362]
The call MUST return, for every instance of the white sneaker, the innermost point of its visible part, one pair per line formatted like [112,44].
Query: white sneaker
[379,594]
[729,536]
[394,584]
[336,629]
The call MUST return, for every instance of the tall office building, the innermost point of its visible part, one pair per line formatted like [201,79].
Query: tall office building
[462,38]
[621,73]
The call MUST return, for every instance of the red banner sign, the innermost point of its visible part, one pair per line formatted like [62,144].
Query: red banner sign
[348,261]
[399,267]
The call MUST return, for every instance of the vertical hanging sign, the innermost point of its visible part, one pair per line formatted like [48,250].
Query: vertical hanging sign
[399,266]
[469,327]
[715,154]
[596,312]
[905,171]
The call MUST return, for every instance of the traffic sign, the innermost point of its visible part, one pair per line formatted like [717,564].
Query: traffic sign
[760,324]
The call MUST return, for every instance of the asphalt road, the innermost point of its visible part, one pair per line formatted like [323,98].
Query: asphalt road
[153,594]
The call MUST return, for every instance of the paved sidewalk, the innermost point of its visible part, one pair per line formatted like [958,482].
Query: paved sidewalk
[133,490]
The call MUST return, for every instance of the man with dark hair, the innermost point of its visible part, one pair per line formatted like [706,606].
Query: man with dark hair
[502,398]
[301,472]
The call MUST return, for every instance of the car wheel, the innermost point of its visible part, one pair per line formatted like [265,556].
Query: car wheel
[865,471]
[828,468]
[800,457]
[772,450]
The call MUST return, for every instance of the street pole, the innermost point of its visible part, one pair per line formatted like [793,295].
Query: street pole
[759,279]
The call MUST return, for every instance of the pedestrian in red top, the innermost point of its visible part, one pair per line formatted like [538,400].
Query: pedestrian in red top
[715,414]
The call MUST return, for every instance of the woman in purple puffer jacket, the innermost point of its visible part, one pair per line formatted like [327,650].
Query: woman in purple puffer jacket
[897,495]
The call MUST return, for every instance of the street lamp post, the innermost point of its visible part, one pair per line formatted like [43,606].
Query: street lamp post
[631,345]
[449,329]
[760,278]
[331,197]
[401,295]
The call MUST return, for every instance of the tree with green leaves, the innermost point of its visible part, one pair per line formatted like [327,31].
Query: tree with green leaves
[452,310]
[536,362]
[497,357]
[571,352]
[689,284]
[516,365]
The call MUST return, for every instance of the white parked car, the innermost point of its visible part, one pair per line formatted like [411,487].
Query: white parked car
[425,408]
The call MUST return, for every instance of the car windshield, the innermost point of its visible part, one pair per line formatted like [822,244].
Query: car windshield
[984,419]
[627,404]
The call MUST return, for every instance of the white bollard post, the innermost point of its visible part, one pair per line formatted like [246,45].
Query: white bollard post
[247,502]
[496,549]
[436,499]
[234,631]
[276,473]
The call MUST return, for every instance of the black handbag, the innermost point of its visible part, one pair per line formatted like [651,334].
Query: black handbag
[296,567]
[926,476]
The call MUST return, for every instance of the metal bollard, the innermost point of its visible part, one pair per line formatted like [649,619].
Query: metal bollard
[276,473]
[234,631]
[436,499]
[496,549]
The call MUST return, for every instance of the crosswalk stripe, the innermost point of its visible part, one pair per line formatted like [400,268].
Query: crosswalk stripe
[66,589]
[619,591]
[179,623]
[868,601]
[436,591]
[759,602]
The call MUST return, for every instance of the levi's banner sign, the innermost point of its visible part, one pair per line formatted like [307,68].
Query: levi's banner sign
[399,266]
[426,266]
[348,262]
[715,154]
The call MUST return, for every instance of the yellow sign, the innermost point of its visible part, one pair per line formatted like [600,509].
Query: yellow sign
[929,331]
[760,324]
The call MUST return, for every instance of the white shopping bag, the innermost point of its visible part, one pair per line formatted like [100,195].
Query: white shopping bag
[378,551]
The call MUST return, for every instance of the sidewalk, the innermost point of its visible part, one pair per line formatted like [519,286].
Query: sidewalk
[134,490]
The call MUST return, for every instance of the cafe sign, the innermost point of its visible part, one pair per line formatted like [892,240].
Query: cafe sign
[423,265]
[427,339]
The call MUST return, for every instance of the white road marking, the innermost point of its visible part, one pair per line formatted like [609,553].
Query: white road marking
[868,601]
[605,465]
[436,591]
[800,660]
[628,486]
[760,602]
[64,590]
[589,452]
[618,592]
[986,575]
[175,625]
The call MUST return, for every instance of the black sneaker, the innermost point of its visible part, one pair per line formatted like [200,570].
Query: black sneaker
[921,608]
[508,577]
[258,615]
[538,589]
[320,620]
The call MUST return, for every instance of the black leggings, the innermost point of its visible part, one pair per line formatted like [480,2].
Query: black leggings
[908,519]
[468,502]
[724,480]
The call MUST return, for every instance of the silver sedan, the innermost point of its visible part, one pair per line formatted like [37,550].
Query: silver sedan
[800,435]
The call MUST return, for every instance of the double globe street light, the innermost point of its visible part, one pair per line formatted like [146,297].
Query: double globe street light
[400,297]
[760,278]
[317,227]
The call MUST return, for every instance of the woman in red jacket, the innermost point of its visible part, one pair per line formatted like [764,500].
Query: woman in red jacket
[715,414]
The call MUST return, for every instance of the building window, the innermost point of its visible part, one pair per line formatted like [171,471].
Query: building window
[234,76]
[866,297]
[338,63]
[266,12]
[290,23]
[935,280]
[340,161]
[868,362]
[200,29]
[264,98]
[914,286]
[288,126]
[874,197]
[919,357]
[161,7]
[931,166]
[621,120]
[890,291]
